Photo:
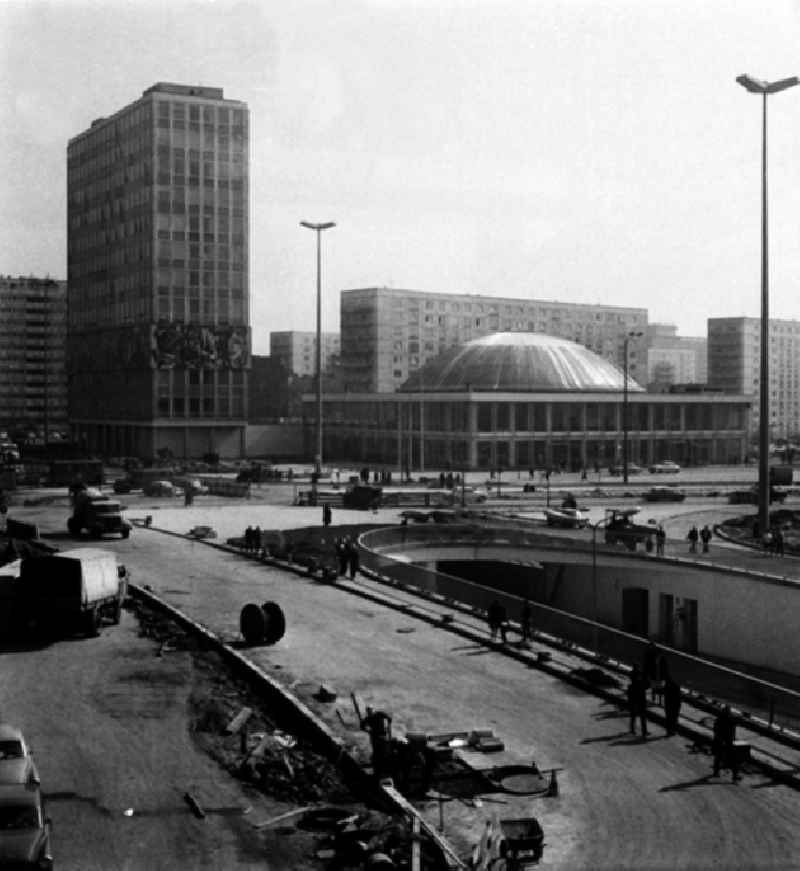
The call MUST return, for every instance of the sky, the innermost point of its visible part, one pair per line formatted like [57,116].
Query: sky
[589,152]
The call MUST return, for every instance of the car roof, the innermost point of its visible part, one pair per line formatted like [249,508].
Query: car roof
[9,732]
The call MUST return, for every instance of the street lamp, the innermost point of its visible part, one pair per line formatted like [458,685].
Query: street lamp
[756,86]
[318,228]
[631,335]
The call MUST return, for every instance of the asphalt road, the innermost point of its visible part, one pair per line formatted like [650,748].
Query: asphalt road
[624,803]
[107,719]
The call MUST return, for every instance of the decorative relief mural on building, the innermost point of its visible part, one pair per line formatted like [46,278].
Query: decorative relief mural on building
[197,347]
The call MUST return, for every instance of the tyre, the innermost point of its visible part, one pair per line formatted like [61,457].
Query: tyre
[253,624]
[126,533]
[73,527]
[275,622]
[92,623]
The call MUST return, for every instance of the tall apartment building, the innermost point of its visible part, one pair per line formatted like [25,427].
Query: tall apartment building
[297,351]
[389,333]
[159,338]
[674,359]
[33,379]
[734,365]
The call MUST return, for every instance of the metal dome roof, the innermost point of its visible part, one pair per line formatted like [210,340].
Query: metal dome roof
[519,362]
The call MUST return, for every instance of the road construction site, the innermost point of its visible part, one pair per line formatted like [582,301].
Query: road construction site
[621,802]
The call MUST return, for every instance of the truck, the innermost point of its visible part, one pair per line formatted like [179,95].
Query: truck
[620,528]
[96,513]
[72,591]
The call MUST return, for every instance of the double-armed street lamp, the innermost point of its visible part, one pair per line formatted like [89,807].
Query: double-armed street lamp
[756,86]
[318,228]
[633,334]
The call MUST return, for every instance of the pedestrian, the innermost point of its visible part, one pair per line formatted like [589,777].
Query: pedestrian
[257,544]
[767,541]
[526,621]
[661,538]
[723,745]
[637,701]
[705,535]
[352,558]
[672,703]
[756,531]
[327,515]
[778,541]
[248,538]
[650,666]
[693,536]
[496,617]
[379,726]
[342,554]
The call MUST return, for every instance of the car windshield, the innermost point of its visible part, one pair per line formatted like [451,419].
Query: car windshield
[11,749]
[18,817]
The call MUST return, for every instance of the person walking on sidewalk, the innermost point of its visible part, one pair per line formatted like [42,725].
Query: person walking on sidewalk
[637,701]
[661,538]
[705,535]
[693,536]
[723,745]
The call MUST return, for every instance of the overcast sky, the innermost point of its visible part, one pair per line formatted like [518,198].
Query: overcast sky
[551,149]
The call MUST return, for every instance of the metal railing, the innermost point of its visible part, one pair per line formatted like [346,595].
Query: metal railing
[775,704]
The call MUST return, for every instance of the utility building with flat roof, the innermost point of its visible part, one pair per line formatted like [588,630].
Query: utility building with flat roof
[158,326]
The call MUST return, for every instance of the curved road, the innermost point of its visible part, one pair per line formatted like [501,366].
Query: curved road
[624,803]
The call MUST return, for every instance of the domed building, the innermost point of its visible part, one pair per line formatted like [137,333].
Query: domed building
[526,400]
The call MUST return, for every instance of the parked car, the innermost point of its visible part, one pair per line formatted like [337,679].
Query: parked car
[201,532]
[159,488]
[24,828]
[16,761]
[664,494]
[666,467]
[571,518]
[123,485]
[619,469]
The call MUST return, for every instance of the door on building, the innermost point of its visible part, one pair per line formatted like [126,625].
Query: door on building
[666,619]
[635,610]
[686,625]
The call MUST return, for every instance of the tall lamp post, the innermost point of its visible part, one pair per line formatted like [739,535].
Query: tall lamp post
[318,228]
[756,86]
[631,335]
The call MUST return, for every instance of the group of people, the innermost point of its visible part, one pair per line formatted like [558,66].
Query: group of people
[654,674]
[694,536]
[252,539]
[497,619]
[771,540]
[347,556]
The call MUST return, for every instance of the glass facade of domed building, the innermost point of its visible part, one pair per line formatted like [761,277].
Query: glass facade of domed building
[521,401]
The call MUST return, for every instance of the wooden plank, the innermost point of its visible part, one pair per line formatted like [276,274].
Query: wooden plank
[238,721]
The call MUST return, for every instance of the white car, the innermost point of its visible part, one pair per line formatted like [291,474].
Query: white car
[16,761]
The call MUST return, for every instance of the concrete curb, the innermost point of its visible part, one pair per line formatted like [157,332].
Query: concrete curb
[302,721]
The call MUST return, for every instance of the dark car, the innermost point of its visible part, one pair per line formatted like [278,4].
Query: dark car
[619,469]
[24,829]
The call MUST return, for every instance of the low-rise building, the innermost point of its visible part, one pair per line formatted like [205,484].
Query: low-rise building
[526,400]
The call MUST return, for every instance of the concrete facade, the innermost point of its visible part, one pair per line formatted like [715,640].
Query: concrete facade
[297,350]
[734,365]
[504,430]
[159,337]
[388,333]
[674,359]
[33,378]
